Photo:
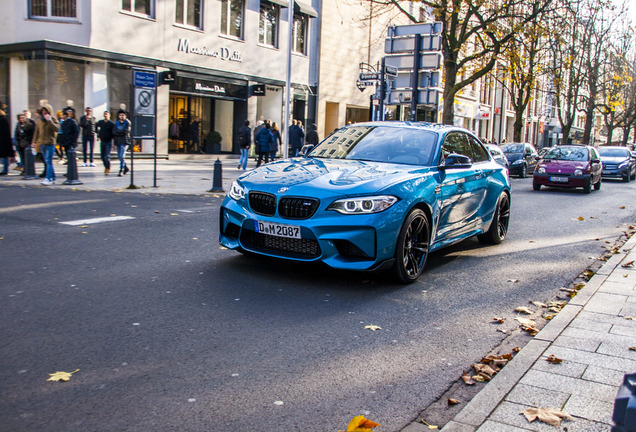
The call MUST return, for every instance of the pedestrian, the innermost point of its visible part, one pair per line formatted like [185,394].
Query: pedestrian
[195,135]
[296,136]
[121,138]
[44,137]
[6,145]
[104,130]
[87,122]
[278,142]
[244,140]
[59,148]
[69,132]
[264,141]
[23,136]
[312,139]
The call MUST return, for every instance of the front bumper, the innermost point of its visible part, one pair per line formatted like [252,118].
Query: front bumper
[561,180]
[351,242]
[616,173]
[516,169]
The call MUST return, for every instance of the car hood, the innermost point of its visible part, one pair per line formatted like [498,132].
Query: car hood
[304,176]
[613,159]
[512,157]
[562,166]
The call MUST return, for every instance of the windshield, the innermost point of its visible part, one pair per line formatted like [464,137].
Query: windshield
[379,144]
[513,148]
[613,152]
[567,153]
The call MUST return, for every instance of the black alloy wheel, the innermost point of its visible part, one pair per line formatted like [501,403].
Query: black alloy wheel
[499,225]
[524,171]
[597,185]
[412,247]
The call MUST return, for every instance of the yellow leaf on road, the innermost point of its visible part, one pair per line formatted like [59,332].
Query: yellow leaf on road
[550,416]
[360,424]
[373,327]
[524,310]
[61,376]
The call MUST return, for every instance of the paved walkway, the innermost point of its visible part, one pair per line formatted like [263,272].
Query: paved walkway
[591,334]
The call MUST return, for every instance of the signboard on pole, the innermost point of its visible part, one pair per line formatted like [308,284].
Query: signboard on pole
[144,104]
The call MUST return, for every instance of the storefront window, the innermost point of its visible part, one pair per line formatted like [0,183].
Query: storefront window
[59,81]
[144,7]
[299,35]
[232,18]
[268,24]
[119,82]
[4,83]
[53,9]
[188,12]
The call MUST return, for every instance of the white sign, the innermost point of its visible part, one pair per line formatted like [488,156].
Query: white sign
[144,103]
[222,53]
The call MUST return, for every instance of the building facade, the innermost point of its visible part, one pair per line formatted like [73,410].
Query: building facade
[227,60]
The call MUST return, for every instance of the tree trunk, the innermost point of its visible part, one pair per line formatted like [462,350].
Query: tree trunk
[518,126]
[450,78]
[610,132]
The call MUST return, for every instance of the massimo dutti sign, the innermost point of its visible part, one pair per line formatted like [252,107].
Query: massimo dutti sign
[222,53]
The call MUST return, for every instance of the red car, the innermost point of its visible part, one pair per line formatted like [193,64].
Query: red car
[569,166]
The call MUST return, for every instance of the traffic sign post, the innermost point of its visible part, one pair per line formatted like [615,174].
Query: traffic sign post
[144,113]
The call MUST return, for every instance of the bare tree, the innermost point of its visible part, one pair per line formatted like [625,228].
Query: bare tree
[474,33]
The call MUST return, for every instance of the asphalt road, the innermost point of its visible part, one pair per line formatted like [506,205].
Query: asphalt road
[172,333]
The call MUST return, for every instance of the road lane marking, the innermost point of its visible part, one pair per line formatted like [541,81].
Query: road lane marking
[96,220]
[22,207]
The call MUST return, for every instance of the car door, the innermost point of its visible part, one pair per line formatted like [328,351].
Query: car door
[530,154]
[596,166]
[460,191]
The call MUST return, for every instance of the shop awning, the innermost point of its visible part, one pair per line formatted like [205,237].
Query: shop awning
[300,6]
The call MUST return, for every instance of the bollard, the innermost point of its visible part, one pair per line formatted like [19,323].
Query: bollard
[624,415]
[217,181]
[72,177]
[29,164]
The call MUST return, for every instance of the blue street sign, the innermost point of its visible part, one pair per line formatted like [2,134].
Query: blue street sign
[145,79]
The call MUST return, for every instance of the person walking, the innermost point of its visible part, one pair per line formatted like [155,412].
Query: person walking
[121,138]
[195,135]
[244,140]
[296,136]
[104,130]
[44,137]
[69,132]
[312,136]
[6,146]
[87,122]
[264,141]
[23,136]
[59,148]
[277,141]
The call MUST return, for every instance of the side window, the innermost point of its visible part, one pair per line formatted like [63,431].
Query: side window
[480,154]
[456,142]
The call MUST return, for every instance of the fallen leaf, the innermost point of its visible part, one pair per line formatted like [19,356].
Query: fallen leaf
[524,310]
[373,327]
[526,322]
[632,348]
[468,379]
[630,318]
[516,349]
[360,424]
[513,280]
[430,427]
[533,331]
[554,359]
[452,402]
[581,218]
[61,376]
[498,320]
[549,316]
[628,264]
[484,369]
[539,304]
[550,416]
[479,378]
[622,207]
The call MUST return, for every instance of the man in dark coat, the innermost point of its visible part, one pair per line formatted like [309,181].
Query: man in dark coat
[23,135]
[87,122]
[104,129]
[296,136]
[6,146]
[312,136]
[264,140]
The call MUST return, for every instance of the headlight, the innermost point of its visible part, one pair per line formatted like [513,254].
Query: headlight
[578,172]
[518,162]
[363,205]
[541,170]
[237,192]
[624,164]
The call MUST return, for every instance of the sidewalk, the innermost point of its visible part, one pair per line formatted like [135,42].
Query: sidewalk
[592,336]
[181,174]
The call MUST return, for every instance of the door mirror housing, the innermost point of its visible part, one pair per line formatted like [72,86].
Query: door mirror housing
[455,160]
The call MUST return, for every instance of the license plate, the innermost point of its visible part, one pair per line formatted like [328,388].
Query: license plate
[559,179]
[278,230]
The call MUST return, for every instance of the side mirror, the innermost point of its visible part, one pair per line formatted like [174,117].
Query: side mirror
[596,161]
[455,160]
[306,149]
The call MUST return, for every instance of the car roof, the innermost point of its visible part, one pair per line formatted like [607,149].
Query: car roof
[435,127]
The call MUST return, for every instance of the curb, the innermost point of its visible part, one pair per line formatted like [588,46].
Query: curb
[475,413]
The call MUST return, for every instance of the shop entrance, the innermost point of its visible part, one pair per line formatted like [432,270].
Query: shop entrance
[190,120]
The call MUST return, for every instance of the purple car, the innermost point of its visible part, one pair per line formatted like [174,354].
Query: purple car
[569,166]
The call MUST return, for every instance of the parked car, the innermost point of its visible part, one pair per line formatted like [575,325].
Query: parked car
[522,158]
[497,154]
[543,151]
[371,196]
[618,162]
[569,166]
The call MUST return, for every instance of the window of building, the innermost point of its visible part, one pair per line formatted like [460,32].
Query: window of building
[143,7]
[232,12]
[268,24]
[299,34]
[53,9]
[188,12]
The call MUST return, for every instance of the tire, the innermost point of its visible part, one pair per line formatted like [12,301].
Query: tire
[411,249]
[626,178]
[499,225]
[588,187]
[536,186]
[524,171]
[597,185]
